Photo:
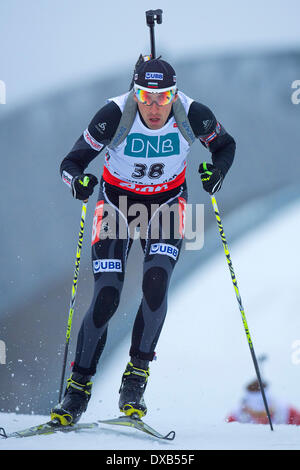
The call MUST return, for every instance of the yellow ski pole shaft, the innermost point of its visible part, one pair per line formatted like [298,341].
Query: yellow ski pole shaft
[73,294]
[238,296]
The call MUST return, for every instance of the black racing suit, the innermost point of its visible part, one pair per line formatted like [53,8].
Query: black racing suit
[112,250]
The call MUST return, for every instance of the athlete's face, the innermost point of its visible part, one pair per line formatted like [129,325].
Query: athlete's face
[155,116]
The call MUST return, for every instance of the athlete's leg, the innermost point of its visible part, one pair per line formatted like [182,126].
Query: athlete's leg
[109,257]
[161,255]
[109,254]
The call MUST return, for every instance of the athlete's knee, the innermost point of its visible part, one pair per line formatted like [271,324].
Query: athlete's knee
[155,285]
[106,304]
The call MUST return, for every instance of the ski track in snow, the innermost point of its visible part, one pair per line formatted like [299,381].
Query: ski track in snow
[203,355]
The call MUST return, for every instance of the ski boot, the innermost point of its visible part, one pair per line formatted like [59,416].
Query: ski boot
[75,401]
[134,381]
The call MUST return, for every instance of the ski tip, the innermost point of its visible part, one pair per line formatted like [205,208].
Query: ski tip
[170,436]
[140,425]
[3,433]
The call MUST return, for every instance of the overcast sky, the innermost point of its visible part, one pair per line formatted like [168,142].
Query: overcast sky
[48,44]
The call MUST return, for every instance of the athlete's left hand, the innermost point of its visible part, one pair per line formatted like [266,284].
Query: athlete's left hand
[211,177]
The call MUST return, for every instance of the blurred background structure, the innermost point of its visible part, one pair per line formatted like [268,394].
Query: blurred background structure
[60,61]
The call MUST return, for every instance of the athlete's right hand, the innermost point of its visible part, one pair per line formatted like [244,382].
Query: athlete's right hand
[83,186]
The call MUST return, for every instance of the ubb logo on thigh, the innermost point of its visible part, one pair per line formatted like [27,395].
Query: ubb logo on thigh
[148,146]
[107,266]
[164,249]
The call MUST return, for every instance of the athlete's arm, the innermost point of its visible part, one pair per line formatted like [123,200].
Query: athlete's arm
[92,141]
[212,135]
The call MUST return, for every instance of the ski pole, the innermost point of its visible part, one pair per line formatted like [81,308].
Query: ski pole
[73,295]
[237,292]
[151,17]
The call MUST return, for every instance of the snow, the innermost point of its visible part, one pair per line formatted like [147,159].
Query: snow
[203,356]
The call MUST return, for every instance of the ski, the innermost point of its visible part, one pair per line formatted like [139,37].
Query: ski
[49,427]
[140,425]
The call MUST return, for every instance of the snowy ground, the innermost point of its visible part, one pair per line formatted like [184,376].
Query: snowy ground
[203,356]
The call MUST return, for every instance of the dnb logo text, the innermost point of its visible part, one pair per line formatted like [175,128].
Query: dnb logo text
[146,146]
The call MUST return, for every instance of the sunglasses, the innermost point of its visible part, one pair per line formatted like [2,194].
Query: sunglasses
[161,99]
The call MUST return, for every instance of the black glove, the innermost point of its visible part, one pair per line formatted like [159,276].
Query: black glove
[211,177]
[83,186]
